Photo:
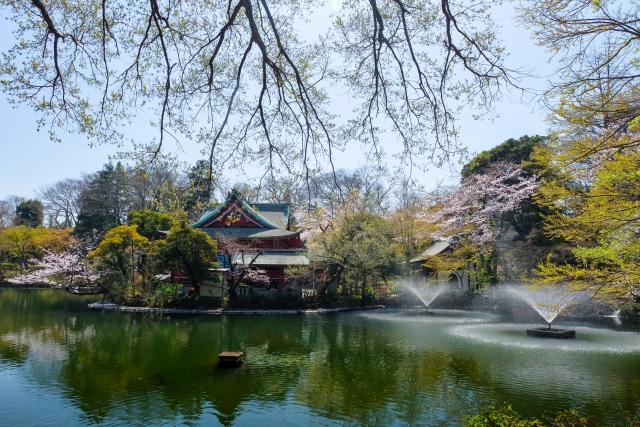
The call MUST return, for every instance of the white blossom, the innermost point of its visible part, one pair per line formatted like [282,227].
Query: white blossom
[480,202]
[252,275]
[70,263]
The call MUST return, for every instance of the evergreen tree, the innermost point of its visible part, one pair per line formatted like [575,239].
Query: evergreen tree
[516,151]
[106,200]
[200,188]
[29,213]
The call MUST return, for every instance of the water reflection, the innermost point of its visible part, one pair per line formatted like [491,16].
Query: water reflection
[376,368]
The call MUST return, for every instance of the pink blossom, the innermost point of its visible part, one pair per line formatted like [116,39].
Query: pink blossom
[480,201]
[252,275]
[69,263]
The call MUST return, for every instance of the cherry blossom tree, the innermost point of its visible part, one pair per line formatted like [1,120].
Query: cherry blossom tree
[476,219]
[249,274]
[69,264]
[476,209]
[241,256]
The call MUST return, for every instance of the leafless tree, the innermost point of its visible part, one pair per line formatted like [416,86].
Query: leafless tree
[148,180]
[8,210]
[62,200]
[239,77]
[363,190]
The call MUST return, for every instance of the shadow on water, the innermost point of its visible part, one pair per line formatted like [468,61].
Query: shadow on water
[379,367]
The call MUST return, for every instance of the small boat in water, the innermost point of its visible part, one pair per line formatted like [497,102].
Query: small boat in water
[84,290]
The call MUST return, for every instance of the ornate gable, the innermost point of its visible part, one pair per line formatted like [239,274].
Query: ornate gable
[234,212]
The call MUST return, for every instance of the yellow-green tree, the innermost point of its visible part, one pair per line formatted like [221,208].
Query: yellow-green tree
[150,223]
[122,255]
[597,210]
[357,244]
[412,234]
[22,243]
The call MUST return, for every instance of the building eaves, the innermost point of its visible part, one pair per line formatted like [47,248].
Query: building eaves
[248,232]
[435,249]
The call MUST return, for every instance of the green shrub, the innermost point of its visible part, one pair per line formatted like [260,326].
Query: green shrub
[570,418]
[119,290]
[166,293]
[631,308]
[501,417]
[370,297]
[507,417]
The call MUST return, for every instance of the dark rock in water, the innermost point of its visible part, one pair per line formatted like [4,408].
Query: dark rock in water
[551,333]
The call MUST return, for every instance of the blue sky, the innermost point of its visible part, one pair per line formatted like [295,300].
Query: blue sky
[31,160]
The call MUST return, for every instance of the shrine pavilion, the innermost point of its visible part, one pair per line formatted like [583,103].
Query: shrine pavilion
[264,227]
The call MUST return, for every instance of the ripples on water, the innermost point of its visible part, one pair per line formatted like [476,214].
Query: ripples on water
[61,363]
[588,339]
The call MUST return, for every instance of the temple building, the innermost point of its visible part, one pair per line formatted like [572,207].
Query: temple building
[262,227]
[459,279]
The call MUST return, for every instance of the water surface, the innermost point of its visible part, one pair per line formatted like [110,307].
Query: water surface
[61,362]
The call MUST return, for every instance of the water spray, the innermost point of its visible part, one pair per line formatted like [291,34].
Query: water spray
[548,303]
[427,294]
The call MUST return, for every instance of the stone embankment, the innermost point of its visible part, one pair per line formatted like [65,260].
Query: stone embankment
[219,311]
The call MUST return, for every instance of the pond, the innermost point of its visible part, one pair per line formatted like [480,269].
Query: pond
[63,363]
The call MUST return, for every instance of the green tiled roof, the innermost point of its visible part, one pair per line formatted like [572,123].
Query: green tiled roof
[433,250]
[247,232]
[276,213]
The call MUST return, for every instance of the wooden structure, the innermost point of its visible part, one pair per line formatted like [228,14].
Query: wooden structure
[230,357]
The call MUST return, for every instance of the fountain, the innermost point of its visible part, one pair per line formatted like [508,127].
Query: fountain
[548,303]
[616,317]
[427,294]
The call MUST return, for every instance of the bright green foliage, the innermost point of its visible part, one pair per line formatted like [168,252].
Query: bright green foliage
[514,150]
[595,151]
[370,241]
[501,417]
[166,293]
[188,250]
[570,418]
[601,221]
[150,223]
[359,246]
[507,417]
[122,256]
[29,213]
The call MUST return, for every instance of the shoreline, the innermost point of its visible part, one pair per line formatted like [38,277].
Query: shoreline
[7,285]
[221,311]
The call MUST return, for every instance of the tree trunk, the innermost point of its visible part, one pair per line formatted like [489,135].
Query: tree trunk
[334,274]
[362,292]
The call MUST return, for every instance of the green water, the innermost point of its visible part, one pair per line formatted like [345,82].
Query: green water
[64,364]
